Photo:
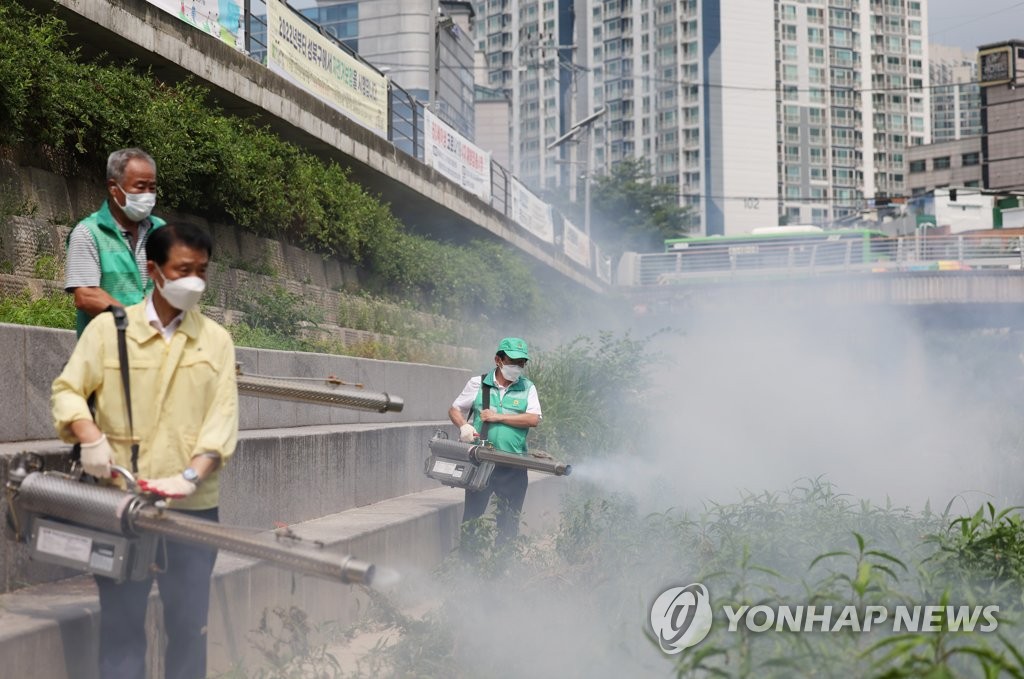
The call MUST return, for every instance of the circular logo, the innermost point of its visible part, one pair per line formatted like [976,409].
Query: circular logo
[681,617]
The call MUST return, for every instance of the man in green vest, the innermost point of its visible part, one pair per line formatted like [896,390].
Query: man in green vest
[500,407]
[106,258]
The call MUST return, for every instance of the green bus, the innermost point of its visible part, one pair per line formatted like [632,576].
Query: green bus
[781,247]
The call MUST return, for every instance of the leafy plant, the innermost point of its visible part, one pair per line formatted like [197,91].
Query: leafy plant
[54,310]
[278,311]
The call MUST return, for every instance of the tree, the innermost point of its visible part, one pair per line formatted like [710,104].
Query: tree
[630,211]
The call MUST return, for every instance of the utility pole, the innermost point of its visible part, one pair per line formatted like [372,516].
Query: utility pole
[587,125]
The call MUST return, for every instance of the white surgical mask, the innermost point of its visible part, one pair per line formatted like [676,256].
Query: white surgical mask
[511,372]
[137,206]
[182,293]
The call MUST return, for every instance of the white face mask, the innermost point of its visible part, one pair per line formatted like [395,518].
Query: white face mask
[182,293]
[511,372]
[137,206]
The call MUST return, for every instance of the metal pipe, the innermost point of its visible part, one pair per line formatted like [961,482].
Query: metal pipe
[114,511]
[331,393]
[527,461]
[296,557]
[482,453]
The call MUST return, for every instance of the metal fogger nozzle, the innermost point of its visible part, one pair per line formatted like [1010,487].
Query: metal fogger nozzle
[331,392]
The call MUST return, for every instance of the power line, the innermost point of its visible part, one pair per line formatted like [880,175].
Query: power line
[780,88]
[976,19]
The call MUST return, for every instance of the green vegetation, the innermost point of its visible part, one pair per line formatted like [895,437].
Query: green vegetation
[632,211]
[54,310]
[591,587]
[589,393]
[278,311]
[225,168]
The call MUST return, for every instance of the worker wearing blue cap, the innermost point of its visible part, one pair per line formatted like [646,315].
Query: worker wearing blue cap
[500,407]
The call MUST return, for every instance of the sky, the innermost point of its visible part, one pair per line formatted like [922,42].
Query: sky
[966,24]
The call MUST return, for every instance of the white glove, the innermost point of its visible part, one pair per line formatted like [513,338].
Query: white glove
[174,487]
[97,457]
[467,433]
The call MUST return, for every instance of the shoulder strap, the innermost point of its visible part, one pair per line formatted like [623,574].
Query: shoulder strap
[121,323]
[486,404]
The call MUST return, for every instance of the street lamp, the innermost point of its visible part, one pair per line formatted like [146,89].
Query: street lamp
[587,124]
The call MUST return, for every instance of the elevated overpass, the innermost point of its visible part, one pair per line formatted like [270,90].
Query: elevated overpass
[963,280]
[426,201]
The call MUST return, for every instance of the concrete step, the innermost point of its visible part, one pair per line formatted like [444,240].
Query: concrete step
[50,631]
[289,475]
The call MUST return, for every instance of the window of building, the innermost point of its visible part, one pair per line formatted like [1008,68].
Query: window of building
[969,159]
[918,166]
[941,163]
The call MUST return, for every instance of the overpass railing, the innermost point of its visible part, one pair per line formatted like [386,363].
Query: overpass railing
[752,261]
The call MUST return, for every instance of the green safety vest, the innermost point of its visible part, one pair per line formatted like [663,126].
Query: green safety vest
[119,272]
[502,436]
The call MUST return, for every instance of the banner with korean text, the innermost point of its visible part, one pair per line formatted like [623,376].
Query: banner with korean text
[455,157]
[223,19]
[296,50]
[576,244]
[531,213]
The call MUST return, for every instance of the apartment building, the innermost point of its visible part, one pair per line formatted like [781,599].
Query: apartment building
[956,95]
[854,96]
[756,111]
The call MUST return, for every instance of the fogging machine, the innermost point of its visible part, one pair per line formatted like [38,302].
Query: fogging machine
[117,534]
[470,465]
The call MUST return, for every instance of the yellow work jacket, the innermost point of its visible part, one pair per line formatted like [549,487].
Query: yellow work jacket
[184,396]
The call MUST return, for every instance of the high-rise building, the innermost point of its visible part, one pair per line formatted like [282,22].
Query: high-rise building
[854,95]
[526,48]
[756,111]
[956,96]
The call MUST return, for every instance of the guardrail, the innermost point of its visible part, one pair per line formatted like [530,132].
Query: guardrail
[709,263]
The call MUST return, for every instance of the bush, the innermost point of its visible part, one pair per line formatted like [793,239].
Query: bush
[278,311]
[55,310]
[591,393]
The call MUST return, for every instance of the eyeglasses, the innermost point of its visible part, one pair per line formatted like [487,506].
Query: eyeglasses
[521,362]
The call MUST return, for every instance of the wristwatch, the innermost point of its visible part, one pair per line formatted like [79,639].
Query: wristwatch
[191,475]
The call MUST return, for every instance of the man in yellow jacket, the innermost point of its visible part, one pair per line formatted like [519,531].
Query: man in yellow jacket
[184,405]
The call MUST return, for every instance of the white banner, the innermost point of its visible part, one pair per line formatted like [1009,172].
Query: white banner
[531,213]
[576,244]
[220,18]
[297,51]
[455,157]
